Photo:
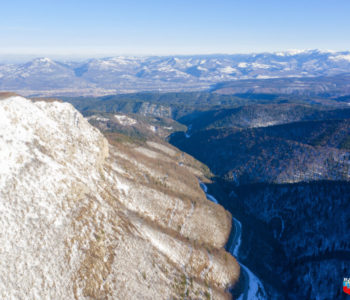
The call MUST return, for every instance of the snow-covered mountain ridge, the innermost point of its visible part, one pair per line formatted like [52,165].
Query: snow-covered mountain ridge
[81,218]
[122,74]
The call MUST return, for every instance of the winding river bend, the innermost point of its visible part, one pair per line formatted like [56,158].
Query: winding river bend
[253,288]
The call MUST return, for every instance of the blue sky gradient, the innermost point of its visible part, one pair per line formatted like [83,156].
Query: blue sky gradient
[154,27]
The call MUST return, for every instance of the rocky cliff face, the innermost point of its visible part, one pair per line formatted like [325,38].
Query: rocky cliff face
[82,218]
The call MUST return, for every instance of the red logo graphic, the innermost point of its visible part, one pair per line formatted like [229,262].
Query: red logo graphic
[346,286]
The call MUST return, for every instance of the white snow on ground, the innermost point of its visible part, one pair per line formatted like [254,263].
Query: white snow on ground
[260,66]
[340,58]
[205,189]
[125,120]
[265,77]
[203,186]
[97,118]
[228,70]
[47,151]
[187,133]
[202,69]
[70,221]
[211,198]
[291,52]
[236,244]
[243,65]
[153,128]
[255,289]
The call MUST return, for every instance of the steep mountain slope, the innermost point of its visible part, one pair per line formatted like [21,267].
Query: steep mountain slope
[115,75]
[134,126]
[204,109]
[288,184]
[261,115]
[84,218]
[292,152]
[310,221]
[294,235]
[166,105]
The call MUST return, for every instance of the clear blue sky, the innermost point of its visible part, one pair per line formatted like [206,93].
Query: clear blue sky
[105,27]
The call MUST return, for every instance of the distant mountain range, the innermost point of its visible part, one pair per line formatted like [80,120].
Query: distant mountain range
[43,76]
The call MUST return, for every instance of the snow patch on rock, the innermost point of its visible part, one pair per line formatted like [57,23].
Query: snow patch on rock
[125,120]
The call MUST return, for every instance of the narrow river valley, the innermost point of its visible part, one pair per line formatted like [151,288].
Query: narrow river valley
[253,287]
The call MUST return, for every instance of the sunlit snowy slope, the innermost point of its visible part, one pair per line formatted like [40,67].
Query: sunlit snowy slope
[81,218]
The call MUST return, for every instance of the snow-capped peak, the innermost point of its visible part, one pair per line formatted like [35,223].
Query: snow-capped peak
[43,61]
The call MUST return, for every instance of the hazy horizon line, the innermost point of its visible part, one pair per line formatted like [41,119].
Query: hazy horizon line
[22,56]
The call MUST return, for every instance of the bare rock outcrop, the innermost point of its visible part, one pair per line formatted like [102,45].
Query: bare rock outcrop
[82,218]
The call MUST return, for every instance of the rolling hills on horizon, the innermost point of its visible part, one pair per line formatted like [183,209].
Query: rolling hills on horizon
[123,74]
